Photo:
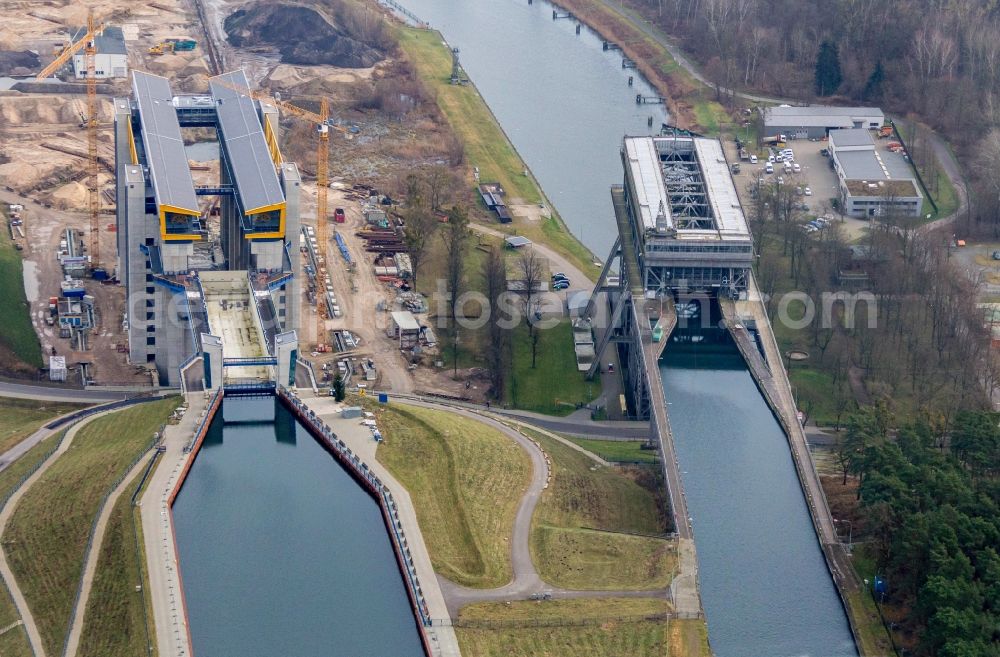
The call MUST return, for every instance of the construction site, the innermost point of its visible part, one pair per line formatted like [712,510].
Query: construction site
[65,134]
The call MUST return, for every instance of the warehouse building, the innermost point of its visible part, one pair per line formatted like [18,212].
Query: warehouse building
[872,183]
[111,60]
[816,121]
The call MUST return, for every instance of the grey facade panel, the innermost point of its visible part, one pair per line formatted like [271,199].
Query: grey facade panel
[162,142]
[242,136]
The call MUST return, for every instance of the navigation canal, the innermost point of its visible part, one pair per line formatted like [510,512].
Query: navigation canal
[564,102]
[281,551]
[765,586]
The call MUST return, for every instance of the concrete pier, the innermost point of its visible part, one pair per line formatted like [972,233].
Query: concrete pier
[769,372]
[166,591]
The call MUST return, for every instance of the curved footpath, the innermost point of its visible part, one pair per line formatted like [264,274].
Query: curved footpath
[526,580]
[93,556]
[34,638]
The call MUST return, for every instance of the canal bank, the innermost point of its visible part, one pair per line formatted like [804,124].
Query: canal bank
[412,577]
[525,74]
[773,594]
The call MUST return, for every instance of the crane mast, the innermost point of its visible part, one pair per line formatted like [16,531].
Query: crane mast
[94,197]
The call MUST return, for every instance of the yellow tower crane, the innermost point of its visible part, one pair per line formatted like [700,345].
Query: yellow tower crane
[88,45]
[321,120]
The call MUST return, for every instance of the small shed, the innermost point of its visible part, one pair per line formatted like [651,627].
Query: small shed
[351,412]
[517,241]
[57,368]
[406,328]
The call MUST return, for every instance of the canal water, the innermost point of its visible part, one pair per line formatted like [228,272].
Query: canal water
[765,586]
[281,551]
[564,102]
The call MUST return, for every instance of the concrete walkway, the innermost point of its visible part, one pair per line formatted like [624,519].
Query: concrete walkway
[444,643]
[169,617]
[90,567]
[772,379]
[34,637]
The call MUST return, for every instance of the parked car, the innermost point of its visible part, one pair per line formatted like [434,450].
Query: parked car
[339,216]
[808,192]
[753,159]
[796,168]
[559,274]
[768,168]
[560,285]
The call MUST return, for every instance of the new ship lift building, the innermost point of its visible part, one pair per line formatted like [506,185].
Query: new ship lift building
[219,302]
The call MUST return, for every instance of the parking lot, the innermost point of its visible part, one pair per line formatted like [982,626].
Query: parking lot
[816,174]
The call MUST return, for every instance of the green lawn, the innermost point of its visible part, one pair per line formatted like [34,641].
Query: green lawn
[584,497]
[466,480]
[48,532]
[814,392]
[15,643]
[16,332]
[621,451]
[22,417]
[591,629]
[486,145]
[554,386]
[114,623]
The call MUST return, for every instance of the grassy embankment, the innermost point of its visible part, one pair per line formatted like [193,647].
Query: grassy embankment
[466,480]
[114,621]
[19,346]
[48,532]
[15,642]
[945,195]
[618,451]
[692,105]
[486,145]
[581,536]
[22,417]
[593,630]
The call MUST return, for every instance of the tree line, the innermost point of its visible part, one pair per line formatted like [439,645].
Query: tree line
[931,501]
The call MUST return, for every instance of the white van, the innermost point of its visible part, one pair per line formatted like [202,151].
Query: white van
[768,168]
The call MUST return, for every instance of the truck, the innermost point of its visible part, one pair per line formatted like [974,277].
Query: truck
[776,140]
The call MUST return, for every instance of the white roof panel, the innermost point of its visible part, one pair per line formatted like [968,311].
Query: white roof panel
[644,166]
[242,135]
[162,143]
[729,219]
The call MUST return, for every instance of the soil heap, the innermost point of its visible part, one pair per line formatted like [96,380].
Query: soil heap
[300,34]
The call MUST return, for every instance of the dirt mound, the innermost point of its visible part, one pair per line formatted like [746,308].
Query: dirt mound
[18,62]
[301,35]
[71,196]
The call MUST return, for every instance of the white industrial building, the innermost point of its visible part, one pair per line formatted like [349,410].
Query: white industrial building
[816,121]
[111,60]
[872,182]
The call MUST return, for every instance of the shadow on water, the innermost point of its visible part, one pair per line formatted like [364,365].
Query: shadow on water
[281,552]
[765,585]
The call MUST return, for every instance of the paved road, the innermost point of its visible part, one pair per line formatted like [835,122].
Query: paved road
[45,393]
